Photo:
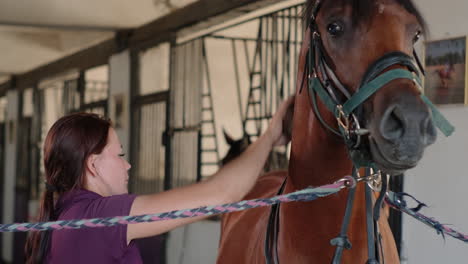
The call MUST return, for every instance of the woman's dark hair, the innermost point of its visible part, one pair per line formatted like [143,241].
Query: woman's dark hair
[69,143]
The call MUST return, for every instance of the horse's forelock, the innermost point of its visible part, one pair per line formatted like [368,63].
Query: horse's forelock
[363,10]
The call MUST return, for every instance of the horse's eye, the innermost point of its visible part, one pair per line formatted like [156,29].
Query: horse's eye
[417,36]
[335,29]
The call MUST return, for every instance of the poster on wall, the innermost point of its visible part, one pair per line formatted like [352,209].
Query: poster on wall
[445,81]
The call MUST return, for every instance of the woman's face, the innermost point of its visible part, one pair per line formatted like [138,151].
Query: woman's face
[111,167]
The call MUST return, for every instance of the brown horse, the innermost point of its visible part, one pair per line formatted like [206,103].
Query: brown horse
[353,35]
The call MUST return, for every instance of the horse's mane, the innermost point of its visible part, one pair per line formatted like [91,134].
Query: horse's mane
[363,10]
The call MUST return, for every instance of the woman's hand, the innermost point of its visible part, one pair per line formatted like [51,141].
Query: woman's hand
[280,126]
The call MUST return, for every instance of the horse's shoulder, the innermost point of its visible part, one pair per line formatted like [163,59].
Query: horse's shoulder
[235,225]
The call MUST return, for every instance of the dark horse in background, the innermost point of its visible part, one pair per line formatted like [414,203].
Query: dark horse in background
[275,161]
[354,34]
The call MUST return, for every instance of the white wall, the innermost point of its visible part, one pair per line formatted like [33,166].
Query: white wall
[10,171]
[445,18]
[441,179]
[194,244]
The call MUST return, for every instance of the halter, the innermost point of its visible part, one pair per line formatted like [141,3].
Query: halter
[322,81]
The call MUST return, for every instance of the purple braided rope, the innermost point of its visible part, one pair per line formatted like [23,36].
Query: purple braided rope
[399,204]
[307,194]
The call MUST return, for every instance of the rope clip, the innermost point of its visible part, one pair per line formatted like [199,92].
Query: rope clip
[348,182]
[374,181]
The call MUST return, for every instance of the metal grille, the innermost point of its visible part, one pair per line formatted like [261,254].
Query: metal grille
[209,151]
[70,96]
[95,91]
[273,67]
[186,84]
[263,53]
[148,173]
[95,97]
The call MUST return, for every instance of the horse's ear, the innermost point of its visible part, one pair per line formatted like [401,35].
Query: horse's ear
[246,140]
[228,138]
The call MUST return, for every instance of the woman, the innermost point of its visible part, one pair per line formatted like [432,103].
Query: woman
[87,177]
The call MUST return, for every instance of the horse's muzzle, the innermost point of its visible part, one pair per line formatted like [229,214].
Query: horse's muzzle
[401,133]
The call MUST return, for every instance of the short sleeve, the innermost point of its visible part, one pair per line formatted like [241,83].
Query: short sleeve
[116,205]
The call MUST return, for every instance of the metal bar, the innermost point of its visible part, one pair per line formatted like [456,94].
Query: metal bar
[97,104]
[211,163]
[81,87]
[247,57]
[289,57]
[262,108]
[184,81]
[295,58]
[288,16]
[274,65]
[61,26]
[236,72]
[283,94]
[221,37]
[280,94]
[150,98]
[173,130]
[205,55]
[200,164]
[257,57]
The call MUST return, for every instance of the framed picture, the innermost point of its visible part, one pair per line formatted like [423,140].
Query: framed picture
[445,81]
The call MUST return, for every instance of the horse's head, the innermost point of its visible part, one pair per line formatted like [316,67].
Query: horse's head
[355,42]
[236,147]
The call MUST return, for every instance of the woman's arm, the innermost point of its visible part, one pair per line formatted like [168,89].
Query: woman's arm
[231,183]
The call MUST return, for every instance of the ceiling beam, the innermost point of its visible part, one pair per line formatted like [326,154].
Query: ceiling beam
[186,16]
[59,27]
[154,32]
[84,59]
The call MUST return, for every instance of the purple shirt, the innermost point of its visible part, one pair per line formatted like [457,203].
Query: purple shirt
[93,245]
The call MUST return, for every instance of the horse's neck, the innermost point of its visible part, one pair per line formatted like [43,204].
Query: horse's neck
[317,156]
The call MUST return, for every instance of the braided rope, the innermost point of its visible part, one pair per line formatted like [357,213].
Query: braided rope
[399,204]
[307,194]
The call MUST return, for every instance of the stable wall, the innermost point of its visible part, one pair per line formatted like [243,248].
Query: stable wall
[441,179]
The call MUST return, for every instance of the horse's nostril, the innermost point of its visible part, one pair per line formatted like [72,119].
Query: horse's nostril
[392,124]
[428,131]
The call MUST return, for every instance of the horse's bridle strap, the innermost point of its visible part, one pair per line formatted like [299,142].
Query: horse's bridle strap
[439,120]
[373,86]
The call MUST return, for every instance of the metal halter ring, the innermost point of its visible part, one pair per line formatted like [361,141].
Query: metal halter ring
[315,35]
[374,181]
[348,182]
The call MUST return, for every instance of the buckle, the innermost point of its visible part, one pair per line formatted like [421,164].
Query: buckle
[342,119]
[374,180]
